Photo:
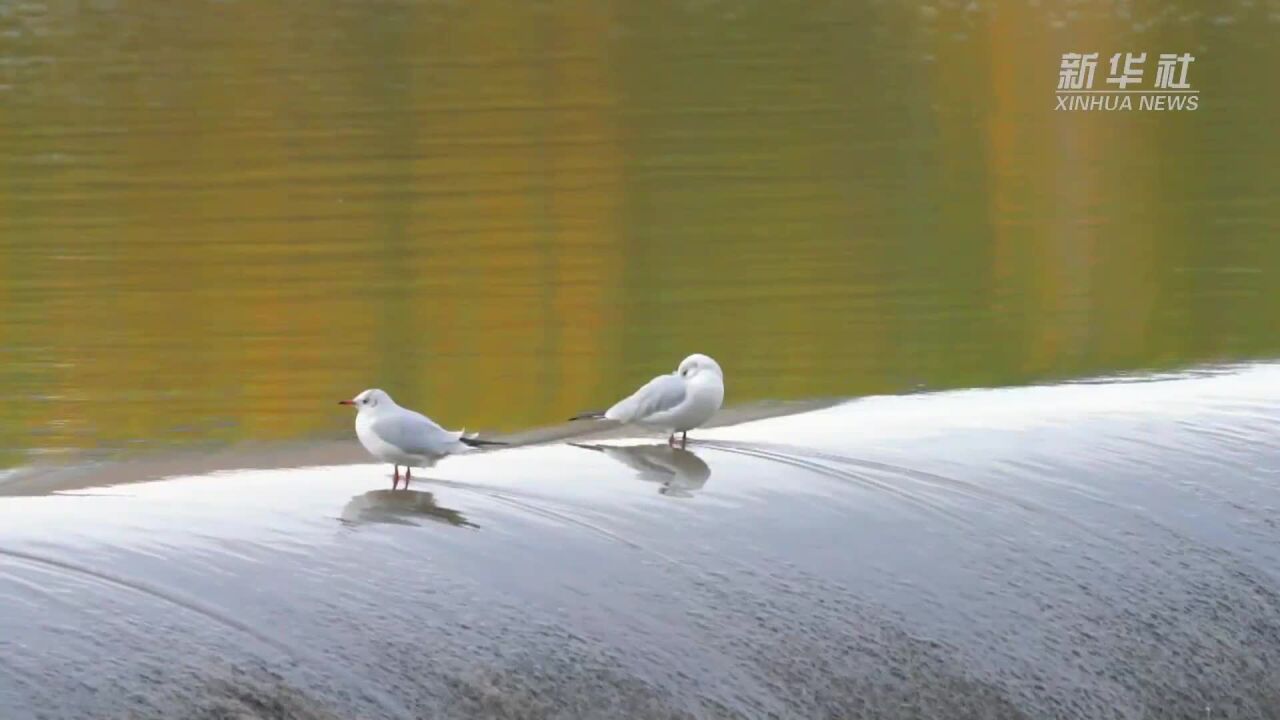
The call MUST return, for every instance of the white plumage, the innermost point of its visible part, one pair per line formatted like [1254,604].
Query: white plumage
[401,436]
[674,403]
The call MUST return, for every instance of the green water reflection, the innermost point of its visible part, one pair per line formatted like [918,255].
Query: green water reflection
[218,218]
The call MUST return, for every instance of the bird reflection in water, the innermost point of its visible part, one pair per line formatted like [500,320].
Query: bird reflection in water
[400,507]
[679,472]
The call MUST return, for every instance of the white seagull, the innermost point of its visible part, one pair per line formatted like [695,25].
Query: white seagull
[674,403]
[401,436]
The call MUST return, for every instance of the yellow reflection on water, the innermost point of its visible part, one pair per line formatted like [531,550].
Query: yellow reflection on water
[218,219]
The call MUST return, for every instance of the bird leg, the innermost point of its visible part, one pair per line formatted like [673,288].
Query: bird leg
[407,476]
[395,479]
[684,438]
[671,440]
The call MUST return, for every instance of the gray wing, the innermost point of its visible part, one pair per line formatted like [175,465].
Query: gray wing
[414,433]
[658,395]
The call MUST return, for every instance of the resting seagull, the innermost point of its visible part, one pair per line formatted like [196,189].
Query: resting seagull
[401,436]
[675,403]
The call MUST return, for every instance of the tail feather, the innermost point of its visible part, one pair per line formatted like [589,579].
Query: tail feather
[477,442]
[589,415]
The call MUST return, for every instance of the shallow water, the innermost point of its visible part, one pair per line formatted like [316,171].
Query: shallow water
[1101,549]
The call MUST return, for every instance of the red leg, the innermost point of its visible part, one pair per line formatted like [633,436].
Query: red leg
[395,479]
[407,476]
[684,438]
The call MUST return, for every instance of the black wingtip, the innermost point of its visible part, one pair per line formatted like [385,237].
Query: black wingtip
[592,415]
[477,442]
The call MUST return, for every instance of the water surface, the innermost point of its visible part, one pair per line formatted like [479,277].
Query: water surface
[217,218]
[1101,549]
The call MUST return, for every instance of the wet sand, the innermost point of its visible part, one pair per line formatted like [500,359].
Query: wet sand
[1104,549]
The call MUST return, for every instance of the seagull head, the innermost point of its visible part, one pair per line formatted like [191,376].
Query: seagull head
[368,400]
[697,364]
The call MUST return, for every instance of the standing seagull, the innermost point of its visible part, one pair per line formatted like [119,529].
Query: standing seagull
[675,403]
[403,437]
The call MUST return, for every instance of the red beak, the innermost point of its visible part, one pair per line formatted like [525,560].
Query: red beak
[346,402]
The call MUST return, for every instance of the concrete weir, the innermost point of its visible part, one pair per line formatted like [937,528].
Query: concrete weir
[1086,550]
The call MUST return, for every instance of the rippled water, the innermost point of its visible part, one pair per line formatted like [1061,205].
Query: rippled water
[1102,549]
[218,218]
[215,216]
